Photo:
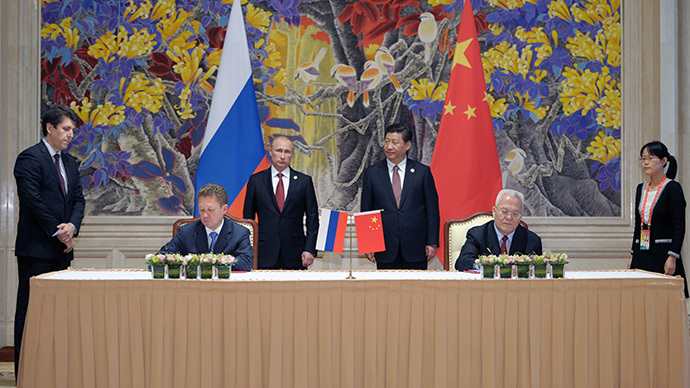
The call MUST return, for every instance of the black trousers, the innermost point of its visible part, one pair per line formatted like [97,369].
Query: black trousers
[401,263]
[27,268]
[280,264]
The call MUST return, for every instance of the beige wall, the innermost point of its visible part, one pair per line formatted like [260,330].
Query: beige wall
[593,243]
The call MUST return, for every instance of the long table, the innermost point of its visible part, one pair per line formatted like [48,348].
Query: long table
[382,329]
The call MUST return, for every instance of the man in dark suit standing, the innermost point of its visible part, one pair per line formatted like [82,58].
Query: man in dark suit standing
[282,197]
[502,235]
[406,192]
[51,208]
[213,232]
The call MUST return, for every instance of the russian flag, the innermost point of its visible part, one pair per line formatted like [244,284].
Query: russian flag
[332,225]
[233,145]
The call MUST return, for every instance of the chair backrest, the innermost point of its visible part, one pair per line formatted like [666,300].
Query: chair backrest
[249,224]
[456,233]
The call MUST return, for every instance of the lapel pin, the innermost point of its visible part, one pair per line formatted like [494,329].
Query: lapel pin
[412,170]
[294,177]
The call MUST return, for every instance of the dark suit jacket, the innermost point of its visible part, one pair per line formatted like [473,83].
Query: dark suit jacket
[283,233]
[233,240]
[666,233]
[482,240]
[415,224]
[42,206]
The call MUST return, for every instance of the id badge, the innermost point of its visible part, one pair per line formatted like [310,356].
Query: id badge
[644,239]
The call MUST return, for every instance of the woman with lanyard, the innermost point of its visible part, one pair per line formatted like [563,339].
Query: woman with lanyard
[659,215]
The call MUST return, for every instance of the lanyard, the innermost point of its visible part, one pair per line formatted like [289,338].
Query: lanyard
[649,224]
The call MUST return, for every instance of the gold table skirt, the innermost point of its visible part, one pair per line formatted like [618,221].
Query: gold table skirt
[356,333]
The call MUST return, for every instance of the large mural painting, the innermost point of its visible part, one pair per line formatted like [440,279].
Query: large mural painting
[332,74]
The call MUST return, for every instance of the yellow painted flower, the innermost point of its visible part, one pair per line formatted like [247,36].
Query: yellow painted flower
[258,18]
[558,9]
[582,45]
[280,77]
[187,65]
[65,30]
[184,108]
[582,89]
[243,2]
[434,3]
[44,2]
[531,106]
[139,43]
[596,11]
[609,109]
[539,38]
[426,90]
[604,148]
[104,115]
[489,69]
[612,43]
[108,46]
[273,60]
[142,93]
[83,110]
[510,4]
[134,12]
[497,107]
[538,75]
[496,28]
[505,57]
[162,8]
[171,22]
[185,41]
[213,58]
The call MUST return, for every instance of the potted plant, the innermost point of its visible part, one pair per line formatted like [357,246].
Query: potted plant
[487,264]
[156,264]
[557,261]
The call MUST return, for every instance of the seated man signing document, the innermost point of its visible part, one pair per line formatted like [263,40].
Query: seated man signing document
[213,232]
[502,235]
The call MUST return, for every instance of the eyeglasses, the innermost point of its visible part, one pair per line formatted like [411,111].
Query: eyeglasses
[506,213]
[649,159]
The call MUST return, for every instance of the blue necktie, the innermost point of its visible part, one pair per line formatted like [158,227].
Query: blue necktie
[213,240]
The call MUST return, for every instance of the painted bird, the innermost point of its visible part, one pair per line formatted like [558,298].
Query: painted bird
[369,80]
[308,71]
[346,76]
[427,32]
[386,62]
[515,162]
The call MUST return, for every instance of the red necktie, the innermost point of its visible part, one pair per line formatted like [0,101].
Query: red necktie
[280,192]
[504,249]
[62,180]
[397,189]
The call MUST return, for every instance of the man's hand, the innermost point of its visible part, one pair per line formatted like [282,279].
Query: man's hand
[69,246]
[370,257]
[66,233]
[307,259]
[430,252]
[670,266]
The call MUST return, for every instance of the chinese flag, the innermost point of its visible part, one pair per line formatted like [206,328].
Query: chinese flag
[465,161]
[369,232]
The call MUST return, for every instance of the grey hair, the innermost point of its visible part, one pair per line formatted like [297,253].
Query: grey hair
[510,193]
